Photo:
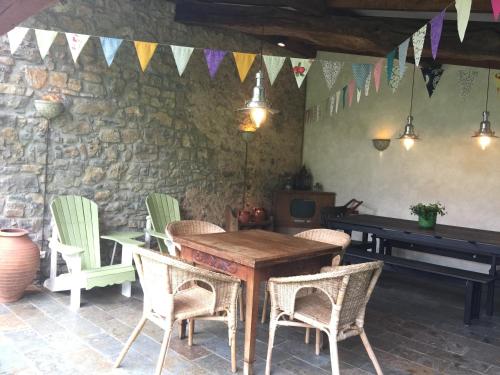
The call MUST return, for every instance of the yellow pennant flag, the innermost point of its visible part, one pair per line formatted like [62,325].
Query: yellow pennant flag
[145,52]
[244,62]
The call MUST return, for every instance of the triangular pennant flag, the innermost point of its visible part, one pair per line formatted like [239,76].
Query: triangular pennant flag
[109,48]
[360,73]
[44,39]
[331,104]
[300,68]
[337,101]
[403,51]
[358,95]
[436,29]
[495,4]
[368,83]
[418,39]
[344,93]
[390,63]
[145,51]
[432,74]
[463,13]
[377,73]
[465,79]
[331,70]
[214,58]
[273,66]
[352,87]
[16,37]
[181,56]
[395,78]
[243,62]
[76,43]
[497,81]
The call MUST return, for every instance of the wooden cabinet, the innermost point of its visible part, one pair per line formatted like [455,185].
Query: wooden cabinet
[299,209]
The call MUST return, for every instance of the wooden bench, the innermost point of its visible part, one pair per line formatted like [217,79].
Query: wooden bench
[473,280]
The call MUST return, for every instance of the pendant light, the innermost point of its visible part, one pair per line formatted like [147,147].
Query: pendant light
[258,106]
[485,134]
[409,136]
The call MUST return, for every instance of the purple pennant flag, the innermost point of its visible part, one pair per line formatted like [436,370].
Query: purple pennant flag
[436,28]
[214,58]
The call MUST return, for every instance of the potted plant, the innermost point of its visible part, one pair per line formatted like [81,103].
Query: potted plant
[427,213]
[50,106]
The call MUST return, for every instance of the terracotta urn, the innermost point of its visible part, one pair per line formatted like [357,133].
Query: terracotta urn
[259,215]
[19,261]
[244,216]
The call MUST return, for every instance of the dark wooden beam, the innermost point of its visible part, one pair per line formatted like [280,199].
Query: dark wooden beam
[369,36]
[479,6]
[13,12]
[309,7]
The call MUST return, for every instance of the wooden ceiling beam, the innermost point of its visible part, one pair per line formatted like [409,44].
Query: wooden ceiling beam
[13,12]
[479,6]
[309,7]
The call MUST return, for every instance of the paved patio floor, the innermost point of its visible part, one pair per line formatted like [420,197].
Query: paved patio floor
[415,326]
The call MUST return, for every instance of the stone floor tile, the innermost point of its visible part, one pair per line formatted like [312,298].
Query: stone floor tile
[214,364]
[11,322]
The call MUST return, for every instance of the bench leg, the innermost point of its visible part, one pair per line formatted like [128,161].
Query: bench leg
[468,302]
[476,300]
[490,298]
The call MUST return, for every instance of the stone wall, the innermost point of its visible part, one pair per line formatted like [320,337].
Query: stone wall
[125,133]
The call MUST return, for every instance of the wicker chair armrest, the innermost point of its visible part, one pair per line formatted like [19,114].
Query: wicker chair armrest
[165,237]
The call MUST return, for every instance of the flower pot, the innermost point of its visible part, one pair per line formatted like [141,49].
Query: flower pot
[19,261]
[48,109]
[244,217]
[427,221]
[259,215]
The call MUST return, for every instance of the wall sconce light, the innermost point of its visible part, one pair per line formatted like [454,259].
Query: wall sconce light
[381,144]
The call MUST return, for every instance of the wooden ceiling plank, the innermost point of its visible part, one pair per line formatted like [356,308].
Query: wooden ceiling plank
[478,6]
[13,12]
[310,7]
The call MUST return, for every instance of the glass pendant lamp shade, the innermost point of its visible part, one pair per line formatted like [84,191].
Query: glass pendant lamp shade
[258,107]
[484,135]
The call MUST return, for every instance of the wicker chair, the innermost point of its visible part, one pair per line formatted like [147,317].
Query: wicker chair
[338,308]
[166,298]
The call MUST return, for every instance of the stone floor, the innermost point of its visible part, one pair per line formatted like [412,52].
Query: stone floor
[415,327]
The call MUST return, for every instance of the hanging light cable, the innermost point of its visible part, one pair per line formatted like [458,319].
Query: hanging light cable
[485,134]
[409,137]
[258,106]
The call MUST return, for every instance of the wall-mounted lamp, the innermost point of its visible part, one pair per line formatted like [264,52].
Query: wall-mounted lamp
[381,144]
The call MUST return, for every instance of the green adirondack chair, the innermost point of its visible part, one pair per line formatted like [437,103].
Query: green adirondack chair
[162,209]
[75,235]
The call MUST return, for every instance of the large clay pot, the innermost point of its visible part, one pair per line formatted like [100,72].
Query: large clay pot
[19,261]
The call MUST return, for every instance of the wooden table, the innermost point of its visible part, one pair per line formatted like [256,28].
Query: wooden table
[254,256]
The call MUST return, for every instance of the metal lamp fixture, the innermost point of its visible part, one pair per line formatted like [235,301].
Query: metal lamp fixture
[485,134]
[409,136]
[258,106]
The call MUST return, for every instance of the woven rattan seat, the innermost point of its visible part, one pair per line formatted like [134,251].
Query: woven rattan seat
[192,302]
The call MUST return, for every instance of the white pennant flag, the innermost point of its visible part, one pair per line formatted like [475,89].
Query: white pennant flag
[300,68]
[76,43]
[463,14]
[181,56]
[337,100]
[273,66]
[418,40]
[331,101]
[358,95]
[331,70]
[44,39]
[16,37]
[368,82]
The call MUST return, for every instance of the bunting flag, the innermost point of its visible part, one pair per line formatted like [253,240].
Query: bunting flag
[16,37]
[463,13]
[403,52]
[145,51]
[377,73]
[418,39]
[300,68]
[466,79]
[432,74]
[358,95]
[243,62]
[368,83]
[497,82]
[44,39]
[360,73]
[273,66]
[337,100]
[390,63]
[214,58]
[395,78]
[344,92]
[436,29]
[331,71]
[495,4]
[76,43]
[352,87]
[331,104]
[109,48]
[181,56]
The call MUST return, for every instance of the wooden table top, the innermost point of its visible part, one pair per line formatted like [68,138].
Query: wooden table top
[256,248]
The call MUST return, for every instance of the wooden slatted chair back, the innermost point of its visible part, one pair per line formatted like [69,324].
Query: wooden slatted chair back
[162,210]
[77,223]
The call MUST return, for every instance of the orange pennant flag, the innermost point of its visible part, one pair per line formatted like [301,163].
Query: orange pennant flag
[244,62]
[145,52]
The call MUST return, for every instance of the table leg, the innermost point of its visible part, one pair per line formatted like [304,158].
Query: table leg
[251,318]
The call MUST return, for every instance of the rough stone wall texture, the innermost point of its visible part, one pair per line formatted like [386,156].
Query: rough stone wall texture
[125,133]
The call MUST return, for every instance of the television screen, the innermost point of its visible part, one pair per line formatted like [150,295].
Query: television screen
[302,209]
